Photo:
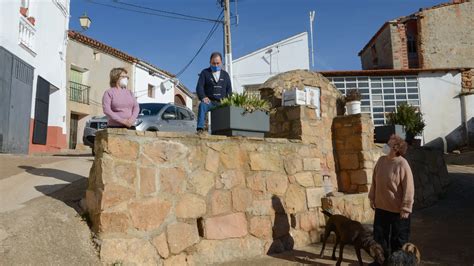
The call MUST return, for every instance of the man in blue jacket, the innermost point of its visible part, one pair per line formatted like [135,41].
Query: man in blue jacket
[213,85]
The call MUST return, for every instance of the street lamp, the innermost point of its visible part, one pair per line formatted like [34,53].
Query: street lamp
[85,22]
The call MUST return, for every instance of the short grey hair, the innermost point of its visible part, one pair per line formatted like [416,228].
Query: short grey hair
[215,54]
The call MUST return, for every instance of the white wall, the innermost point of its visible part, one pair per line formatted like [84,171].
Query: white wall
[142,78]
[258,66]
[440,105]
[49,49]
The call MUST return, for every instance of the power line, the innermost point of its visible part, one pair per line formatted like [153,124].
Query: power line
[209,35]
[145,12]
[166,12]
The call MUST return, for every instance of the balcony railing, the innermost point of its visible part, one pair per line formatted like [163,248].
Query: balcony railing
[27,34]
[78,92]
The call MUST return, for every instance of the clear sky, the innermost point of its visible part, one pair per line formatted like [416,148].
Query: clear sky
[341,29]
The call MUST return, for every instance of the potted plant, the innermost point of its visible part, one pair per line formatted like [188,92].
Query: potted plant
[32,20]
[24,11]
[411,119]
[241,115]
[353,101]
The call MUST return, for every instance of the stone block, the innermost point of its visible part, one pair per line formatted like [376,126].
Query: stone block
[261,207]
[163,151]
[190,206]
[277,183]
[349,161]
[227,250]
[345,179]
[122,148]
[128,251]
[181,236]
[295,199]
[364,188]
[256,182]
[178,260]
[314,196]
[171,180]
[201,182]
[227,226]
[293,165]
[300,238]
[115,194]
[161,245]
[149,214]
[360,177]
[241,199]
[232,178]
[265,162]
[113,222]
[212,161]
[261,227]
[147,180]
[318,179]
[305,179]
[221,202]
[308,221]
[311,164]
[126,172]
[232,157]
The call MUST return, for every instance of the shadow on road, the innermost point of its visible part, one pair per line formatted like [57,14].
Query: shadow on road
[73,155]
[70,194]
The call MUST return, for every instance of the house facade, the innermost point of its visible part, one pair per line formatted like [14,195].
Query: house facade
[89,63]
[444,96]
[33,39]
[441,36]
[251,70]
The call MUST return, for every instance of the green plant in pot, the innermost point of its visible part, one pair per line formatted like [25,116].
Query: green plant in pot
[410,118]
[352,100]
[241,115]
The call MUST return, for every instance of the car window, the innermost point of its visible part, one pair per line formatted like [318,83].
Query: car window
[170,110]
[151,108]
[183,114]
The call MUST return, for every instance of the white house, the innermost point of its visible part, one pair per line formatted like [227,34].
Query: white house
[33,38]
[444,96]
[156,85]
[256,67]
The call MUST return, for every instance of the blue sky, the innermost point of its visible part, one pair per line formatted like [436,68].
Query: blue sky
[341,29]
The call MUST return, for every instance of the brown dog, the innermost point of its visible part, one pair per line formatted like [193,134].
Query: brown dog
[351,232]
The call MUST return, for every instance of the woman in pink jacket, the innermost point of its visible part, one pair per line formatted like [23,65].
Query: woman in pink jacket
[391,195]
[119,103]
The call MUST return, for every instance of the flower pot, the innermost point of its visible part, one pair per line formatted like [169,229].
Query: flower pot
[24,11]
[353,107]
[235,121]
[32,20]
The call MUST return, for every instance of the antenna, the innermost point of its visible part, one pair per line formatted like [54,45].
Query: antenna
[312,14]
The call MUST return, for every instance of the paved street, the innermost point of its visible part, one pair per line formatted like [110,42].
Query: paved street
[40,222]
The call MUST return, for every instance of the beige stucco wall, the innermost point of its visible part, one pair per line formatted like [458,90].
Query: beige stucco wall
[97,77]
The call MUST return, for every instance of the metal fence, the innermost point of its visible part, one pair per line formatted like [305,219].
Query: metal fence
[78,92]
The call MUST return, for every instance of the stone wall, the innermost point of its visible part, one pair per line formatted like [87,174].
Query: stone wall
[430,175]
[356,153]
[446,37]
[176,198]
[382,42]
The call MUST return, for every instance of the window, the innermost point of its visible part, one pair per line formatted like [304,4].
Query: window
[184,114]
[170,112]
[151,91]
[411,44]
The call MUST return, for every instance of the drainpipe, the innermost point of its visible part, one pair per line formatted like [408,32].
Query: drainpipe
[464,121]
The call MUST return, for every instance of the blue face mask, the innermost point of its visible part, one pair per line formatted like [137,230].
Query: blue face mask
[215,68]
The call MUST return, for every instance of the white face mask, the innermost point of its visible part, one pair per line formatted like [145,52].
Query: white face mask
[386,149]
[123,82]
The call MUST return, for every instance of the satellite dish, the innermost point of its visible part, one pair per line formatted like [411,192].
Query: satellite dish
[166,85]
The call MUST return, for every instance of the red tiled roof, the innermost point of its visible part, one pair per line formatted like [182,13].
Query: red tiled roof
[386,72]
[110,50]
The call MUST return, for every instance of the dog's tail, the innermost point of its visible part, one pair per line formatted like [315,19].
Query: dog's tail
[327,213]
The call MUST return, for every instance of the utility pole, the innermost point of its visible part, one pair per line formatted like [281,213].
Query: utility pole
[311,20]
[227,38]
